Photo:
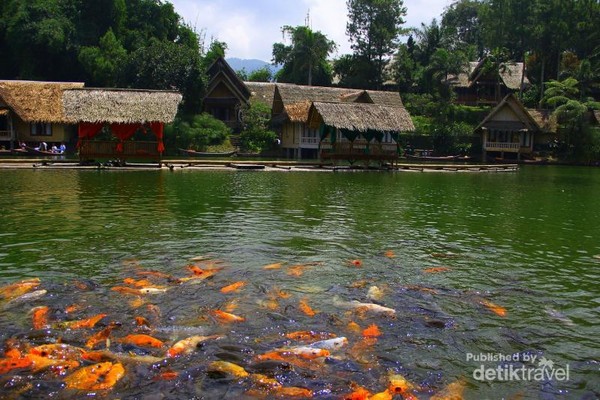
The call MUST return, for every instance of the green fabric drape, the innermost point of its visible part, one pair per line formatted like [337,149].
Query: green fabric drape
[349,134]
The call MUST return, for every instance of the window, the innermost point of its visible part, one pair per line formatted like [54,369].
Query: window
[41,129]
[3,123]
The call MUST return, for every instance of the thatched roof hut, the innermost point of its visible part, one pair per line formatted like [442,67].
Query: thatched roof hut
[360,117]
[262,92]
[35,101]
[510,74]
[122,106]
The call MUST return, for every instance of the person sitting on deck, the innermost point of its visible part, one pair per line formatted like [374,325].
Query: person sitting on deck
[62,148]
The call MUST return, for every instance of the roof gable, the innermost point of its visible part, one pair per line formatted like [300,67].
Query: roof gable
[222,74]
[510,109]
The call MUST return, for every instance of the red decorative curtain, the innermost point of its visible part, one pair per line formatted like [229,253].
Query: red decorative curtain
[88,130]
[157,128]
[124,132]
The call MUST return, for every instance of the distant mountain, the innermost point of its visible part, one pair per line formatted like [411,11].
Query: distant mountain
[250,65]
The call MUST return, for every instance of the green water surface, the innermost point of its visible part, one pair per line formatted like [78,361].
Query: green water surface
[528,241]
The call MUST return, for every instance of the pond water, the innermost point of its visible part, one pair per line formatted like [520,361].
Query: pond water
[488,273]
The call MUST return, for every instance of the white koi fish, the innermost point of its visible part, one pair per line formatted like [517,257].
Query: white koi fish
[330,344]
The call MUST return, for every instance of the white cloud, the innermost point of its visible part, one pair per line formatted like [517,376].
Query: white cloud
[250,28]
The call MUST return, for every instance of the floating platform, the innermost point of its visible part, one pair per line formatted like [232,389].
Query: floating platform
[247,166]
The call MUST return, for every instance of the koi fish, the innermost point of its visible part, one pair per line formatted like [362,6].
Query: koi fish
[57,351]
[166,376]
[80,324]
[140,284]
[353,327]
[374,293]
[291,391]
[385,395]
[17,289]
[559,316]
[496,309]
[39,363]
[142,322]
[29,296]
[72,308]
[453,391]
[296,270]
[139,291]
[359,393]
[227,368]
[187,345]
[154,273]
[264,381]
[309,335]
[40,317]
[101,336]
[99,376]
[372,331]
[273,266]
[355,263]
[330,344]
[436,270]
[234,287]
[421,289]
[8,364]
[398,384]
[142,340]
[354,304]
[223,316]
[306,309]
[307,352]
[131,358]
[390,254]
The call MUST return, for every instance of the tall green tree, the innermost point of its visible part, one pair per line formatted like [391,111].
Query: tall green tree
[374,28]
[104,62]
[305,59]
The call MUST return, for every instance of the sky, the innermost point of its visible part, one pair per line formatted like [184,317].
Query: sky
[251,27]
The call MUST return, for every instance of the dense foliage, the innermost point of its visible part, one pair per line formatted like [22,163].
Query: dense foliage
[305,59]
[256,135]
[127,43]
[196,132]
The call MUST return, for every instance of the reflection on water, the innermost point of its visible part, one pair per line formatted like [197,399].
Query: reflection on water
[447,252]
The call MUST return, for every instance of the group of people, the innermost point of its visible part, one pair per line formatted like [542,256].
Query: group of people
[43,146]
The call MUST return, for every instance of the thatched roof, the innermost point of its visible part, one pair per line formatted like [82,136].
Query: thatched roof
[510,75]
[298,112]
[221,73]
[360,117]
[545,120]
[121,105]
[291,93]
[262,91]
[35,101]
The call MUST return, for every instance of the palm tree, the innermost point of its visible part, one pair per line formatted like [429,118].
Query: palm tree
[308,50]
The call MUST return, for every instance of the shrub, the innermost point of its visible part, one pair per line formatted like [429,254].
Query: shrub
[196,132]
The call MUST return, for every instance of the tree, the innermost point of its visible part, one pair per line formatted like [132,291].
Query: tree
[256,135]
[196,132]
[305,60]
[374,27]
[263,74]
[461,25]
[167,66]
[104,63]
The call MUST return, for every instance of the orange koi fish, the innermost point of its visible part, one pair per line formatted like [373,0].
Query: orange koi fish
[57,351]
[436,270]
[372,331]
[234,287]
[291,391]
[359,393]
[137,302]
[137,283]
[385,395]
[8,364]
[187,345]
[355,263]
[398,384]
[101,336]
[39,363]
[390,254]
[227,368]
[40,317]
[72,308]
[17,289]
[353,327]
[307,336]
[453,391]
[264,381]
[141,321]
[296,270]
[166,376]
[99,376]
[139,291]
[142,340]
[80,324]
[223,316]
[306,309]
[12,349]
[496,309]
[421,289]
[360,284]
[273,266]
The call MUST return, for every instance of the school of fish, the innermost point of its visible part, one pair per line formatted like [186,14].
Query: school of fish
[112,338]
